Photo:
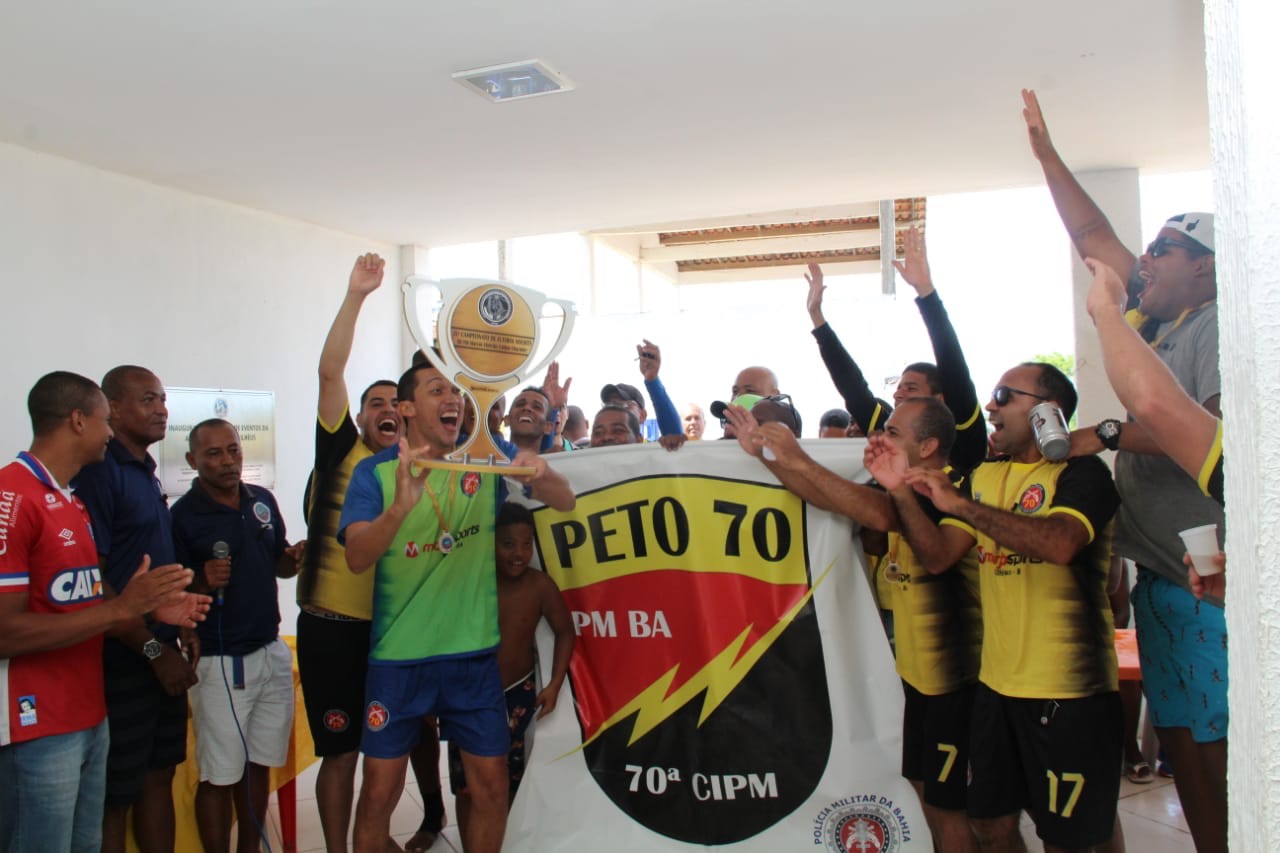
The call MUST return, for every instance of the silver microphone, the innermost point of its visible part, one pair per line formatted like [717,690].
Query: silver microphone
[221,551]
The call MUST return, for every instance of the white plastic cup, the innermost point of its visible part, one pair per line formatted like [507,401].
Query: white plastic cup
[1202,545]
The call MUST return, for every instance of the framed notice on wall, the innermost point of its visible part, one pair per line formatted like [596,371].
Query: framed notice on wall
[254,416]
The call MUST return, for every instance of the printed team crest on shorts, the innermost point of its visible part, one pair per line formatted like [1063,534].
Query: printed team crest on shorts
[692,601]
[1032,499]
[336,720]
[262,512]
[470,482]
[377,716]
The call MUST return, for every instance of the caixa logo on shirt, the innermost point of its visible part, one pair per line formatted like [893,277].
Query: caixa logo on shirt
[71,586]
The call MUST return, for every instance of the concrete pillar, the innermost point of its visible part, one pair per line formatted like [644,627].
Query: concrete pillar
[1116,192]
[1244,122]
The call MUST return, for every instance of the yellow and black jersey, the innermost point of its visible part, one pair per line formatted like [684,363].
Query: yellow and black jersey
[325,581]
[1047,627]
[937,621]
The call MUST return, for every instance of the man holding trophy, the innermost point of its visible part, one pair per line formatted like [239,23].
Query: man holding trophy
[423,513]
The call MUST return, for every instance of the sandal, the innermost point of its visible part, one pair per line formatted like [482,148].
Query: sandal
[1139,773]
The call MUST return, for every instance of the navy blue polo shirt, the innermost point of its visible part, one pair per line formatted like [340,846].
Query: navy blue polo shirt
[249,617]
[129,512]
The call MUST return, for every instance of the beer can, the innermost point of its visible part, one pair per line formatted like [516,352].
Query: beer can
[1050,428]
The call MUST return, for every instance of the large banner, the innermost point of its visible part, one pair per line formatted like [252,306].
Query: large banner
[731,686]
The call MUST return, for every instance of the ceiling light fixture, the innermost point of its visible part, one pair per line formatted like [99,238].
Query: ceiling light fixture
[513,81]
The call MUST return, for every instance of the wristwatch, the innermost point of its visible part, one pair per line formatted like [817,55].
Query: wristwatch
[152,649]
[1108,433]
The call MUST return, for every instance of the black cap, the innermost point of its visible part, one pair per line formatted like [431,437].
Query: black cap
[625,391]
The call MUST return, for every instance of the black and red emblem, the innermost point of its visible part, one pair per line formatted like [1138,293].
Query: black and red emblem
[336,720]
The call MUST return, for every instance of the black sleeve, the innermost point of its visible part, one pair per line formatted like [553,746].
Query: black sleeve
[957,385]
[1087,488]
[866,411]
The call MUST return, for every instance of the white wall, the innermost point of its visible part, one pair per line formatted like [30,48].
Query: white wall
[101,269]
[1243,65]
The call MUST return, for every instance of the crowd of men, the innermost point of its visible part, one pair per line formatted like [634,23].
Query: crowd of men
[417,605]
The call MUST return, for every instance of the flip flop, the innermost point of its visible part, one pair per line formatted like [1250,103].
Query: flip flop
[1139,773]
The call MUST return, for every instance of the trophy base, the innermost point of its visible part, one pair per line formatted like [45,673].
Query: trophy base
[487,466]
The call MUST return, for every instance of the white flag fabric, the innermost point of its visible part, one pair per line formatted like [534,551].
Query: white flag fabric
[731,684]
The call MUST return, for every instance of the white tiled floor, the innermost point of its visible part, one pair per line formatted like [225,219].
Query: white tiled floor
[1150,815]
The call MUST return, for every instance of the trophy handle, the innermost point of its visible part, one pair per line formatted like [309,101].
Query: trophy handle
[570,313]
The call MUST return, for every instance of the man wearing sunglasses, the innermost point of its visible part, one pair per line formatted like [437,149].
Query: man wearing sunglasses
[1172,289]
[937,620]
[1046,733]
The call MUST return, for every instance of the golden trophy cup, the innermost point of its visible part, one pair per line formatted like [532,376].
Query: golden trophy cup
[491,334]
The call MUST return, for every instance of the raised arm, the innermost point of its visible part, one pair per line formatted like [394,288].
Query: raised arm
[958,392]
[669,423]
[866,411]
[1087,226]
[366,276]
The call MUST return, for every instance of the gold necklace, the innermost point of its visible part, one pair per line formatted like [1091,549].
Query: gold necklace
[445,541]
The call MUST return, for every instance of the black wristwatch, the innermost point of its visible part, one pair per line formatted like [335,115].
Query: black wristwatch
[152,649]
[1108,432]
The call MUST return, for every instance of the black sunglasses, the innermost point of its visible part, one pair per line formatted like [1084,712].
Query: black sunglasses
[1003,394]
[1160,247]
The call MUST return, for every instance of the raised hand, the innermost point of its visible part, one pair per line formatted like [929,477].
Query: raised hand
[650,360]
[149,589]
[1107,293]
[886,462]
[410,484]
[914,266]
[745,428]
[780,445]
[673,442]
[366,275]
[935,484]
[813,304]
[184,611]
[1041,145]
[557,394]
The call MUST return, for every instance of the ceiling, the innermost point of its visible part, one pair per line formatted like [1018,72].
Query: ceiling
[343,114]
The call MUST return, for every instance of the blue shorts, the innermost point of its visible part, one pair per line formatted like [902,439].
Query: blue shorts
[465,693]
[1182,646]
[521,700]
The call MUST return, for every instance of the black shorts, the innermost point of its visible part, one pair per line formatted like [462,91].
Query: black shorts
[148,726]
[333,661]
[1058,759]
[935,744]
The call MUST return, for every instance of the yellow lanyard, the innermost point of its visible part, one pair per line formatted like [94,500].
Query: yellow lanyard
[445,540]
[1137,320]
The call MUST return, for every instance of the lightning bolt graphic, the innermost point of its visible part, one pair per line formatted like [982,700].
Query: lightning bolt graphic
[718,678]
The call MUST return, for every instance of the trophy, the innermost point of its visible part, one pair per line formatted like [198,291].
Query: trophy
[489,334]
